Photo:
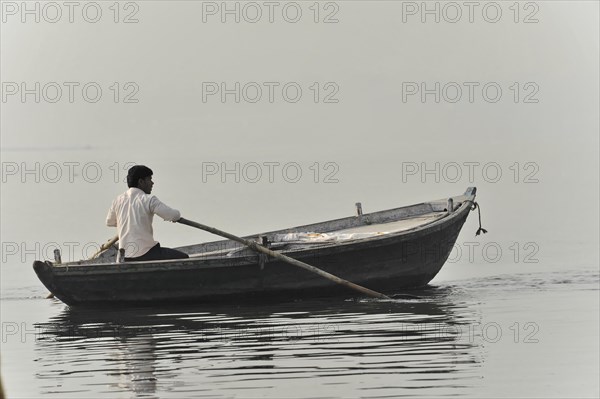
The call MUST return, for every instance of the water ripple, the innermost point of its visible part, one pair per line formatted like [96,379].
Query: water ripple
[336,345]
[408,346]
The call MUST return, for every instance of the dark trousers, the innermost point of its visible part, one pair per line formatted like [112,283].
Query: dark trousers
[159,253]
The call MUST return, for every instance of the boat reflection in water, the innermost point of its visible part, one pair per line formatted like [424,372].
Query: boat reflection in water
[308,348]
[136,363]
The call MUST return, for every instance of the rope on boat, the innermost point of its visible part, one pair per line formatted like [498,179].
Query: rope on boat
[480,229]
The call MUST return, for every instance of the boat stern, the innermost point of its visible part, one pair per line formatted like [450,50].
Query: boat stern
[44,272]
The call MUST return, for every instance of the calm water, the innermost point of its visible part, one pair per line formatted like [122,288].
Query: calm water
[485,336]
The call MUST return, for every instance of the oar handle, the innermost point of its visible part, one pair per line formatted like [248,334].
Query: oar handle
[259,248]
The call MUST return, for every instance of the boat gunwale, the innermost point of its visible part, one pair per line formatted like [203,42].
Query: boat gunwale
[469,195]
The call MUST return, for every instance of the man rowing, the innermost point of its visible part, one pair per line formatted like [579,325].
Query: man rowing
[132,213]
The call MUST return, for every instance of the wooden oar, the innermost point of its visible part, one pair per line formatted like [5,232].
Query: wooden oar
[259,248]
[103,248]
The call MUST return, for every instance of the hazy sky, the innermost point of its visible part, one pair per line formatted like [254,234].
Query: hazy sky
[518,97]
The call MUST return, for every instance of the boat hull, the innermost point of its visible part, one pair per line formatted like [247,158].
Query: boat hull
[386,264]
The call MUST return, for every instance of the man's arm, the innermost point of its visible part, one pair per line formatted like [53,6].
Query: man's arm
[162,210]
[111,218]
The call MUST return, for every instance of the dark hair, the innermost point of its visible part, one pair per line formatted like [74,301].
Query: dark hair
[136,173]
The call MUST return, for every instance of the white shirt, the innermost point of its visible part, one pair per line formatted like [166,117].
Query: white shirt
[131,213]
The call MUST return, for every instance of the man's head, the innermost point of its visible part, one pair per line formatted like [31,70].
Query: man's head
[140,176]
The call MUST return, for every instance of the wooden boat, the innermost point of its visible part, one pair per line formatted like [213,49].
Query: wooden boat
[386,251]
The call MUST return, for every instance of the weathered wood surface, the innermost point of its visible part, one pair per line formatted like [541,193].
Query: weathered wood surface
[259,248]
